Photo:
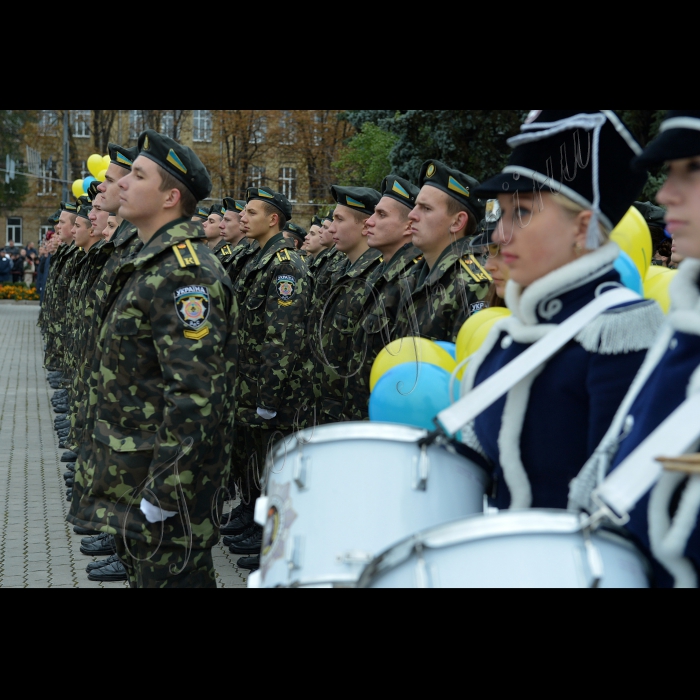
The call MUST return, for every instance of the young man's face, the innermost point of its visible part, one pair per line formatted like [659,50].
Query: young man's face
[99,218]
[389,224]
[65,225]
[111,228]
[430,221]
[211,227]
[256,222]
[325,236]
[230,227]
[141,198]
[313,241]
[346,230]
[110,188]
[81,232]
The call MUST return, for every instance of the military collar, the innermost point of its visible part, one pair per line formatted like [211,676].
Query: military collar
[325,253]
[447,260]
[363,263]
[124,234]
[406,256]
[274,245]
[170,235]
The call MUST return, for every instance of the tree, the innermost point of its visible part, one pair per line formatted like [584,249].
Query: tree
[366,160]
[12,127]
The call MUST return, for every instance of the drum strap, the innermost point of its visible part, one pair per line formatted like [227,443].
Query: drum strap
[485,395]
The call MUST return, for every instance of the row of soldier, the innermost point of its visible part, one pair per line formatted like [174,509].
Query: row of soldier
[184,341]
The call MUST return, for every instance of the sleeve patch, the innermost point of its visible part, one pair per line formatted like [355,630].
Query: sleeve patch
[192,305]
[286,286]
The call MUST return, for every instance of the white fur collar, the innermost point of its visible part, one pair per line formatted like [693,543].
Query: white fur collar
[543,294]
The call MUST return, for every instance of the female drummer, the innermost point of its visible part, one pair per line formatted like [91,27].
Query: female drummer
[665,520]
[568,184]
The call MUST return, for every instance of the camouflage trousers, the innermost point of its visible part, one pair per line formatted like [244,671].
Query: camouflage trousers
[166,567]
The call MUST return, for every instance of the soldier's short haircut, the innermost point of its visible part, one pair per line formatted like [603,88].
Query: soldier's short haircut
[270,210]
[454,207]
[187,199]
[359,216]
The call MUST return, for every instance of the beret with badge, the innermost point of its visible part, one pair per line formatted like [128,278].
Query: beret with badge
[84,211]
[122,156]
[277,200]
[202,213]
[217,209]
[92,190]
[54,218]
[401,190]
[317,221]
[297,231]
[84,201]
[456,184]
[328,217]
[177,160]
[234,205]
[362,199]
[583,155]
[69,207]
[679,138]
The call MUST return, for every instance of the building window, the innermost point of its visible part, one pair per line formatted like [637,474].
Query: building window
[287,130]
[259,131]
[47,174]
[80,123]
[256,177]
[167,124]
[48,122]
[201,125]
[288,183]
[14,230]
[137,123]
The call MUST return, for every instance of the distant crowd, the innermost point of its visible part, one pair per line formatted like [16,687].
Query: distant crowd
[24,265]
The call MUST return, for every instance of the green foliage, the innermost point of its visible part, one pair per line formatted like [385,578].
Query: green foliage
[364,161]
[12,123]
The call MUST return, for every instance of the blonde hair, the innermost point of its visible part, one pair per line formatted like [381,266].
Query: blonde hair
[575,209]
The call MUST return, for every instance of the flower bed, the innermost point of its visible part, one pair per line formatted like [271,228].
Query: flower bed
[18,292]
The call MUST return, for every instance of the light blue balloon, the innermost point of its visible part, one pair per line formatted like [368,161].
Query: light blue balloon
[449,347]
[87,182]
[629,273]
[411,394]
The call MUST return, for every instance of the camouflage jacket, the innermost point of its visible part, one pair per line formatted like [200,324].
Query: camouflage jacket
[322,270]
[444,297]
[240,257]
[334,323]
[271,304]
[50,301]
[167,354]
[392,283]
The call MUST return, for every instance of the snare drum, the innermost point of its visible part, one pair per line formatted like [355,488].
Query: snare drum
[338,495]
[511,549]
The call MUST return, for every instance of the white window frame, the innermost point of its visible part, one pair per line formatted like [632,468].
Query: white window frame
[287,130]
[260,133]
[136,124]
[80,123]
[48,122]
[256,176]
[288,182]
[14,228]
[46,181]
[201,125]
[167,124]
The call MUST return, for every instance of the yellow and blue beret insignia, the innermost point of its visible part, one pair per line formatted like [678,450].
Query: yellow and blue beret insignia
[400,190]
[266,195]
[456,187]
[174,160]
[240,206]
[123,160]
[431,171]
[354,203]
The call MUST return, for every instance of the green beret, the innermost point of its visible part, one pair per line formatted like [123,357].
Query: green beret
[92,190]
[401,190]
[231,204]
[317,221]
[362,199]
[296,231]
[218,210]
[84,211]
[454,183]
[84,201]
[179,161]
[69,207]
[653,215]
[277,200]
[121,156]
[329,216]
[202,213]
[54,218]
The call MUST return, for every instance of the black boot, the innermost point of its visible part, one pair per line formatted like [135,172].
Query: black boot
[249,563]
[251,546]
[244,519]
[111,573]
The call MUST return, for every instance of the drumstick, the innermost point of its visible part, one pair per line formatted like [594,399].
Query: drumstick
[687,464]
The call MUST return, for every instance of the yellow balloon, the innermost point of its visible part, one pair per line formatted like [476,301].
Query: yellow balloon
[475,330]
[406,350]
[77,189]
[95,164]
[106,161]
[656,286]
[634,238]
[101,177]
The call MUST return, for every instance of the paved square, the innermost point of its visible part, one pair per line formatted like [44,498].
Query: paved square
[38,549]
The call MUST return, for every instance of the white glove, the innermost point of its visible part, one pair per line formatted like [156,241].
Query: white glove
[267,415]
[154,514]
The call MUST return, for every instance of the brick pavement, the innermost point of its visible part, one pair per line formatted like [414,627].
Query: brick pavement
[38,549]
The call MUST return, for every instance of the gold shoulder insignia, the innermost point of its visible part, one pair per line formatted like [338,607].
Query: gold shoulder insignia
[418,259]
[190,259]
[197,335]
[226,250]
[282,254]
[475,269]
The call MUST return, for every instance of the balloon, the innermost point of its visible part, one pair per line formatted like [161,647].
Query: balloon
[411,394]
[106,162]
[656,286]
[101,177]
[634,238]
[87,182]
[448,347]
[95,164]
[475,330]
[77,189]
[410,351]
[629,273]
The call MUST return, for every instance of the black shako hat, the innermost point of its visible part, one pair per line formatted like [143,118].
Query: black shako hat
[84,211]
[679,137]
[454,183]
[217,209]
[297,231]
[121,156]
[653,215]
[202,213]
[401,190]
[362,199]
[277,200]
[69,207]
[234,205]
[179,161]
[582,154]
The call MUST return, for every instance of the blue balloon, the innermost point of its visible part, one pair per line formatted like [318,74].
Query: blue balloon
[629,273]
[411,394]
[449,347]
[87,182]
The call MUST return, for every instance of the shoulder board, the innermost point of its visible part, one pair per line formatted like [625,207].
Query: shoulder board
[283,256]
[186,255]
[418,259]
[226,250]
[475,269]
[381,260]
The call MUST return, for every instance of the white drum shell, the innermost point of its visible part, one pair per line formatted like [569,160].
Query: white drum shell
[526,549]
[344,493]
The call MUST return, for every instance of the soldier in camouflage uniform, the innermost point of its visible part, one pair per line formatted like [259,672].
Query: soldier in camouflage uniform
[389,231]
[167,354]
[234,246]
[326,264]
[271,303]
[212,224]
[201,214]
[450,282]
[312,243]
